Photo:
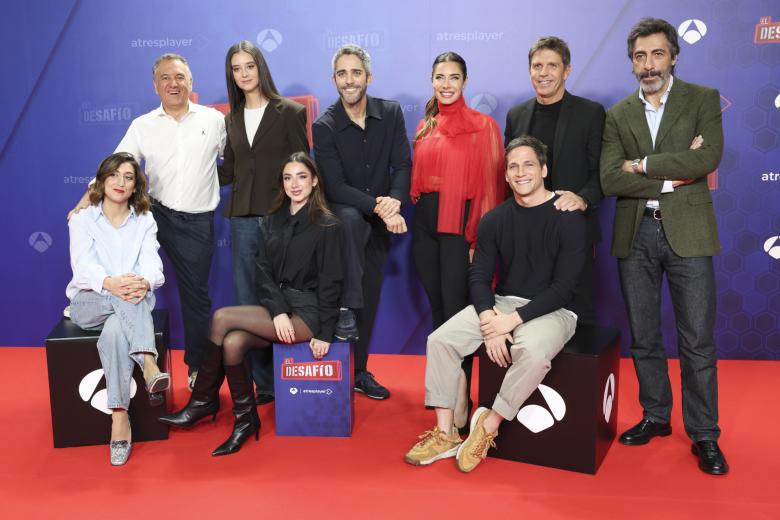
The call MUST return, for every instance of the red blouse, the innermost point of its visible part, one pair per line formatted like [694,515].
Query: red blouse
[462,159]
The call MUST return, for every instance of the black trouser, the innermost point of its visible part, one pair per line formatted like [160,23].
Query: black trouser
[188,241]
[365,252]
[442,262]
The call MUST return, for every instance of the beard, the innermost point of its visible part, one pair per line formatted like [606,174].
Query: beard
[353,99]
[653,81]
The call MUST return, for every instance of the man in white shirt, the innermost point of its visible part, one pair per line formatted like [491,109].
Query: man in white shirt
[179,143]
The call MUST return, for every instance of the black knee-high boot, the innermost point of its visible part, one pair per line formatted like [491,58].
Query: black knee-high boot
[204,400]
[244,410]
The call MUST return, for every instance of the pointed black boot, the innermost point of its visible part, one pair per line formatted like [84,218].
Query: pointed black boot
[204,400]
[244,410]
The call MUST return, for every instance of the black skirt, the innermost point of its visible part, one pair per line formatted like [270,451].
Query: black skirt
[304,304]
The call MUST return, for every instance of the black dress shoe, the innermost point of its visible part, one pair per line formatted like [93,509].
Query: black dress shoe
[644,431]
[711,459]
[366,384]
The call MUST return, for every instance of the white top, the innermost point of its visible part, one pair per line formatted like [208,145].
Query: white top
[180,156]
[98,250]
[252,118]
[653,116]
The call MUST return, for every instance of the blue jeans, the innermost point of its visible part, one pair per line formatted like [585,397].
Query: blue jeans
[128,334]
[245,242]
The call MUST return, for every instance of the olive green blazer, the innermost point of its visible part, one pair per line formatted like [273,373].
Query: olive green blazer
[688,217]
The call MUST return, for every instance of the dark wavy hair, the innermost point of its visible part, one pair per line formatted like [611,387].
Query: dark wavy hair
[139,200]
[236,96]
[432,107]
[318,207]
[648,26]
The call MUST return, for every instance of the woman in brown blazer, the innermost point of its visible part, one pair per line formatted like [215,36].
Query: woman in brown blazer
[263,129]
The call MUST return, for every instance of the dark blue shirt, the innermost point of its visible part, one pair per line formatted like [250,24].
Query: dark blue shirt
[360,165]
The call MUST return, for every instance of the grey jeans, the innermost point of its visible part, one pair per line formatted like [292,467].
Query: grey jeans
[127,333]
[534,346]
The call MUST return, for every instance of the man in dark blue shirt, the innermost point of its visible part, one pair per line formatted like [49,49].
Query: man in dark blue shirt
[363,153]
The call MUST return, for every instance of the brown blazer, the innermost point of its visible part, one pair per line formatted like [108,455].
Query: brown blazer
[688,216]
[253,170]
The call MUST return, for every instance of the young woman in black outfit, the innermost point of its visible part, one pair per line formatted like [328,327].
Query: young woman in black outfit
[299,278]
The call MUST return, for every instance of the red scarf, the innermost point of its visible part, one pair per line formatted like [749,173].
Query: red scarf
[461,159]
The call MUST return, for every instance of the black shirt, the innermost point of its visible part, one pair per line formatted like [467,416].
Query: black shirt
[539,251]
[543,124]
[360,165]
[302,255]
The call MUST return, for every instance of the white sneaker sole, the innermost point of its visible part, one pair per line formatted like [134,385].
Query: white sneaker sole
[444,455]
[474,418]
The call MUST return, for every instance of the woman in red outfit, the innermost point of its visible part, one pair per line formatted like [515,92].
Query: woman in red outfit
[458,176]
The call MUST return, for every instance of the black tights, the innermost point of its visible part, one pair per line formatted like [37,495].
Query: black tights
[242,328]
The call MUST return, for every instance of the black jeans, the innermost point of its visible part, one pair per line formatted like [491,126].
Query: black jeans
[188,241]
[692,289]
[366,245]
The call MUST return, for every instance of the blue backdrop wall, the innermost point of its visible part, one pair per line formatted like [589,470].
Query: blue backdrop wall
[77,72]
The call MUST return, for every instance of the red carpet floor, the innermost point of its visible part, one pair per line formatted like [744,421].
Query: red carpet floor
[365,477]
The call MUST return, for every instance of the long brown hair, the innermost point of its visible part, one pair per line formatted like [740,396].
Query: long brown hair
[139,200]
[432,106]
[318,207]
[236,96]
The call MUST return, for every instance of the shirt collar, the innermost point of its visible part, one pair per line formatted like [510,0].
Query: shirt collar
[191,107]
[373,109]
[98,212]
[663,98]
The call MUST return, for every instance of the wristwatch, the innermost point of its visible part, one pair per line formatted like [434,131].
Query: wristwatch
[636,164]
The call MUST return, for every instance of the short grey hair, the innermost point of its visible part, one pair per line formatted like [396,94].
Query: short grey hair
[167,57]
[353,50]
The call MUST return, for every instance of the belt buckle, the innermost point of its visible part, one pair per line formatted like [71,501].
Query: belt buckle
[656,214]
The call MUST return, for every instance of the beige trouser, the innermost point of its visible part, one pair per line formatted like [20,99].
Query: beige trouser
[535,344]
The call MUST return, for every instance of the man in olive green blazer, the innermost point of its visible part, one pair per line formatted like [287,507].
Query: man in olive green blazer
[659,145]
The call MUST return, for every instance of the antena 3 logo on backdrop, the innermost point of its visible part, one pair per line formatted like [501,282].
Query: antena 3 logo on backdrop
[311,371]
[772,247]
[767,31]
[485,103]
[538,418]
[269,39]
[40,241]
[692,30]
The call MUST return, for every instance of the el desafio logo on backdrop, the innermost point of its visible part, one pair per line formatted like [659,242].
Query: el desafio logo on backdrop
[373,39]
[767,31]
[311,370]
[118,113]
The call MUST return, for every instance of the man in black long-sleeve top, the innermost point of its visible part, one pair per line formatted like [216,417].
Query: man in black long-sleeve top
[540,252]
[571,127]
[362,150]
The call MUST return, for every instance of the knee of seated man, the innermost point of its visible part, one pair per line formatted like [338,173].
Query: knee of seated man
[531,355]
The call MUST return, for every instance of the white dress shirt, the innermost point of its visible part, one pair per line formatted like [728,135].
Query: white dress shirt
[180,156]
[98,250]
[653,116]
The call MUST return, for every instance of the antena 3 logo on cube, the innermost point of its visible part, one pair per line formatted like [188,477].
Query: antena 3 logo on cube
[538,418]
[99,399]
[311,371]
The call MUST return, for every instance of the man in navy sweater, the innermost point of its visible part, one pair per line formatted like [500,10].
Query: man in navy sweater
[539,253]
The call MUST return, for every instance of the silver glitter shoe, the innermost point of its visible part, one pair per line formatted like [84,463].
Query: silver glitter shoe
[120,452]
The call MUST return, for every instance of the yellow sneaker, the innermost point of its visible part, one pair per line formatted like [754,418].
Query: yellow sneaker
[477,444]
[433,445]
